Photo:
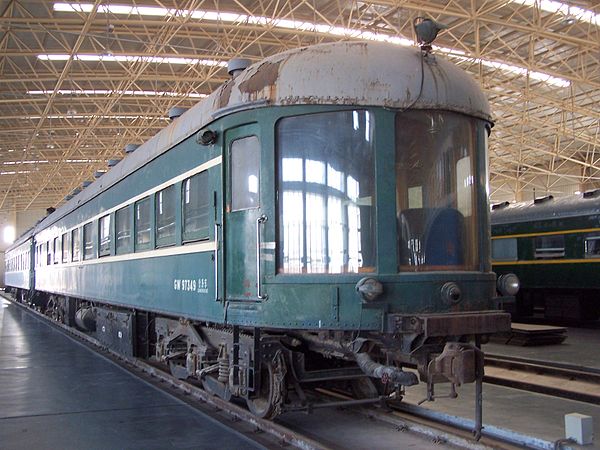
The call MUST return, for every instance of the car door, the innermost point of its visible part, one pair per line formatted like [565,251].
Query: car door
[244,214]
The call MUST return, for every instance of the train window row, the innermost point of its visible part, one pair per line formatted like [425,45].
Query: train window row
[548,246]
[131,228]
[18,262]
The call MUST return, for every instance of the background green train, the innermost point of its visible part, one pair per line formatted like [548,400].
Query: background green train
[321,217]
[553,246]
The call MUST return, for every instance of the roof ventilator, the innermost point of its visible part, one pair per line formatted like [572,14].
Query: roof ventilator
[98,174]
[130,148]
[236,66]
[500,205]
[545,199]
[113,162]
[175,112]
[592,194]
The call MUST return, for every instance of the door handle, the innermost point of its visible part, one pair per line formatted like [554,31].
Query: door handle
[216,259]
[262,219]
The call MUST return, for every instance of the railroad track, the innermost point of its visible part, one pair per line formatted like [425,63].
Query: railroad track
[435,427]
[546,377]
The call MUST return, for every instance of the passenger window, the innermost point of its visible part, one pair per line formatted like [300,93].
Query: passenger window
[165,217]
[142,224]
[57,252]
[123,230]
[48,253]
[245,173]
[88,241]
[549,247]
[592,245]
[66,247]
[504,249]
[76,238]
[104,236]
[196,207]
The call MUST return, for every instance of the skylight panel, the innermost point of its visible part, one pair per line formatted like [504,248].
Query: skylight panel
[546,5]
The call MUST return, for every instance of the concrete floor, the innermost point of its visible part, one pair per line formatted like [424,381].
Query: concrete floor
[56,394]
[532,414]
[582,347]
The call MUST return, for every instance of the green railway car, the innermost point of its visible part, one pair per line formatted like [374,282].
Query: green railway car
[321,218]
[553,246]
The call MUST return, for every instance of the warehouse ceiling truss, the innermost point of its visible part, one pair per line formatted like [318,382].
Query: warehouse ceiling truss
[79,81]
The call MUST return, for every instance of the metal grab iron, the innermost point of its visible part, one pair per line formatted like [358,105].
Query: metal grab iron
[262,219]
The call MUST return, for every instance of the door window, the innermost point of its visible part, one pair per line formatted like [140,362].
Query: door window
[245,173]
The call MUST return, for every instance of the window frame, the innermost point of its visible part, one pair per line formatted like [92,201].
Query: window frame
[139,247]
[128,248]
[341,193]
[76,255]
[514,246]
[232,173]
[169,240]
[57,250]
[66,247]
[552,252]
[195,235]
[104,249]
[88,226]
[592,236]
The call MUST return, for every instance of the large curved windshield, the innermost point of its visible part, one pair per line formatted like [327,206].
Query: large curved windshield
[326,193]
[436,191]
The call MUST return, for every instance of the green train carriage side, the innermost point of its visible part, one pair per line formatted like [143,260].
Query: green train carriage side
[553,246]
[266,230]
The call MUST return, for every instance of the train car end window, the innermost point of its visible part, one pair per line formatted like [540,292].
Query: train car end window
[550,247]
[88,241]
[245,173]
[504,249]
[123,230]
[104,236]
[165,217]
[592,245]
[195,198]
[326,193]
[142,224]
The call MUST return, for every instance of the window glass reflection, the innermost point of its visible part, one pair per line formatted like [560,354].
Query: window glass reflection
[245,172]
[76,237]
[326,193]
[196,207]
[88,241]
[436,191]
[104,248]
[165,216]
[123,230]
[142,224]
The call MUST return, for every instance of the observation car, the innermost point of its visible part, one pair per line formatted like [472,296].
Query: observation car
[321,217]
[553,246]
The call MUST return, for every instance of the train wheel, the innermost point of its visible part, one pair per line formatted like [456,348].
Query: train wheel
[269,400]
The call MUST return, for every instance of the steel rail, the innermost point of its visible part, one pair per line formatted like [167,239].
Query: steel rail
[561,371]
[491,435]
[290,437]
